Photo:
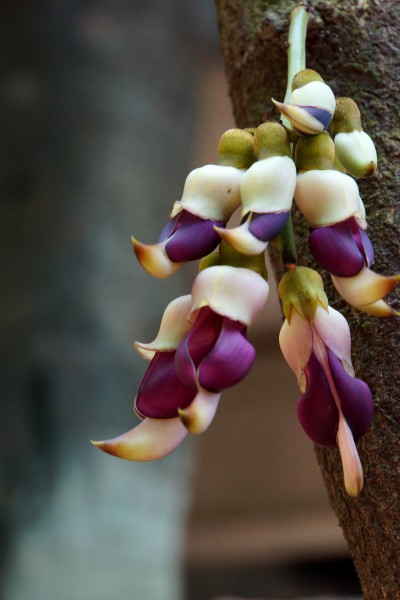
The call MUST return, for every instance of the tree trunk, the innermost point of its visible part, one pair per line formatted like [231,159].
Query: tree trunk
[356,48]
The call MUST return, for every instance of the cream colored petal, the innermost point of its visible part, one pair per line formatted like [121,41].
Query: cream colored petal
[334,331]
[326,197]
[295,340]
[364,288]
[153,258]
[315,93]
[232,292]
[199,414]
[300,118]
[212,192]
[380,309]
[356,152]
[352,469]
[150,440]
[242,240]
[268,185]
[173,328]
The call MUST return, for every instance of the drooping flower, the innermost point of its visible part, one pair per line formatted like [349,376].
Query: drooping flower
[311,105]
[210,195]
[266,190]
[335,408]
[354,148]
[200,350]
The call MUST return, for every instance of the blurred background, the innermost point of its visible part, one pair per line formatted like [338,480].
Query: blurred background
[104,109]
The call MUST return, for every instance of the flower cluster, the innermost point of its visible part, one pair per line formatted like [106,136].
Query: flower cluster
[201,347]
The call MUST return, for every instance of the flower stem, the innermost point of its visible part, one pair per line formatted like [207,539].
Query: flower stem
[296,46]
[296,62]
[287,245]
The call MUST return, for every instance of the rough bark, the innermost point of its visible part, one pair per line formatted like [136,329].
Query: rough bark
[356,47]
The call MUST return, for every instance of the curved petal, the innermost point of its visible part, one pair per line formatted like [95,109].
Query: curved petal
[335,249]
[197,344]
[355,398]
[173,328]
[352,469]
[302,120]
[365,288]
[316,409]
[267,226]
[326,197]
[229,361]
[295,340]
[161,391]
[199,414]
[334,331]
[150,440]
[192,238]
[153,258]
[242,240]
[212,192]
[236,293]
[268,185]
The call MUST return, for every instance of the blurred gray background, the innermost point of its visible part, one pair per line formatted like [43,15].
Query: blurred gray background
[104,109]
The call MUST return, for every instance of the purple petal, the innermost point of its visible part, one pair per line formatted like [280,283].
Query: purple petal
[189,237]
[336,250]
[196,345]
[169,228]
[363,243]
[267,226]
[161,392]
[316,409]
[355,398]
[229,361]
[321,114]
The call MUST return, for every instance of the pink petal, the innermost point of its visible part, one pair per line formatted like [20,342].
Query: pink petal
[295,340]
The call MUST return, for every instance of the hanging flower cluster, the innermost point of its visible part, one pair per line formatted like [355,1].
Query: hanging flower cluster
[201,347]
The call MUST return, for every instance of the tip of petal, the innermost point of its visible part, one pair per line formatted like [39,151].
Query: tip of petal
[199,414]
[154,260]
[242,240]
[150,440]
[352,469]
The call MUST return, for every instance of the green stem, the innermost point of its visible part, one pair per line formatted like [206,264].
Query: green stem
[296,46]
[296,62]
[287,244]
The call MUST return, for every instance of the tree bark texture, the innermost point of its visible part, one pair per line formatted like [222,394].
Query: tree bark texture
[356,48]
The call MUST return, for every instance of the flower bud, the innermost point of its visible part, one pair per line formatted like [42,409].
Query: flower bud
[354,148]
[311,106]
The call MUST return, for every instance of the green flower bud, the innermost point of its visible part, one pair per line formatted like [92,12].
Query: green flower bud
[235,149]
[271,139]
[302,289]
[315,153]
[354,148]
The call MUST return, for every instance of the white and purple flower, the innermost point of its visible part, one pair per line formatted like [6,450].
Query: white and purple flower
[200,350]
